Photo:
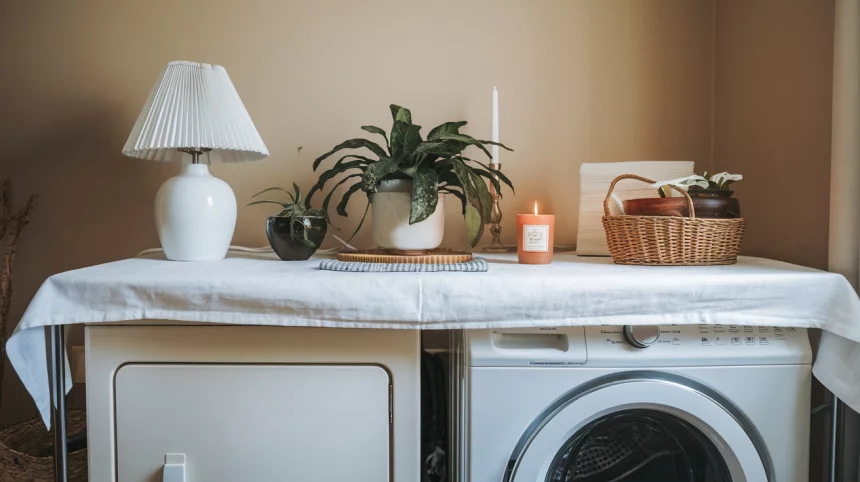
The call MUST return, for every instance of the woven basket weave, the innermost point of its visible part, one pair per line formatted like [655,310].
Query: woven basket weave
[670,240]
[22,447]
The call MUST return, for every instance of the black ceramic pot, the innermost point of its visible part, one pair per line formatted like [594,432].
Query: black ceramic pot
[288,248]
[696,191]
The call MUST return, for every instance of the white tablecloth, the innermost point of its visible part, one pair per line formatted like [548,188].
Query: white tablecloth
[259,290]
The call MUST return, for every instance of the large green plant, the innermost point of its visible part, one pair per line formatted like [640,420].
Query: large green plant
[435,165]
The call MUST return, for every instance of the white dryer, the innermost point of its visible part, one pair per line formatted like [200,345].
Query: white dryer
[697,403]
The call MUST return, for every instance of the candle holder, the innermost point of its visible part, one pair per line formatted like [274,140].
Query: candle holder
[495,245]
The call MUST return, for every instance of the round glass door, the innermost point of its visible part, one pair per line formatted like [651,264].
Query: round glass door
[638,445]
[640,427]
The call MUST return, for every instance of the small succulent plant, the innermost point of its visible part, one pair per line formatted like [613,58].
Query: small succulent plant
[298,213]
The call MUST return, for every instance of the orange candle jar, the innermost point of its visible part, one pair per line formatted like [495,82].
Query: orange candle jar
[535,237]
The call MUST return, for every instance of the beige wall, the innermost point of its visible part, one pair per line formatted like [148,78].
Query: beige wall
[579,80]
[774,72]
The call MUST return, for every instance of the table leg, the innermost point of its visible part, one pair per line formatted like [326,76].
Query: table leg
[58,396]
[836,435]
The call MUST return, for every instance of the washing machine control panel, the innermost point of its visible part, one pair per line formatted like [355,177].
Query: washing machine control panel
[638,346]
[695,344]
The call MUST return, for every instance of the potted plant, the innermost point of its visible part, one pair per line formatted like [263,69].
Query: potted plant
[715,185]
[297,231]
[712,199]
[405,178]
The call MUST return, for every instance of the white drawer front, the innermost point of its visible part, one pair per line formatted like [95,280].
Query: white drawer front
[254,422]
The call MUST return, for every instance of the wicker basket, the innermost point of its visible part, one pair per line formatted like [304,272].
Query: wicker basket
[670,240]
[22,449]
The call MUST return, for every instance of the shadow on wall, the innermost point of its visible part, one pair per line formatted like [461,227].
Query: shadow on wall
[94,204]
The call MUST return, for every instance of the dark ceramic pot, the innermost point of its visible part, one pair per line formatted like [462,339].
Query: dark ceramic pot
[706,207]
[289,249]
[696,191]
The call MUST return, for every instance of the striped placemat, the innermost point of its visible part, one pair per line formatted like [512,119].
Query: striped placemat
[476,265]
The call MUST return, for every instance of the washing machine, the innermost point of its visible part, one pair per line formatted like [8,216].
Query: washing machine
[697,403]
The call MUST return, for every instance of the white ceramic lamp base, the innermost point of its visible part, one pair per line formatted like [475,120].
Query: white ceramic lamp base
[195,214]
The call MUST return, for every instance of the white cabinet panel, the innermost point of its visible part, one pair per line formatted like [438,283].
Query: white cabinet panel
[303,423]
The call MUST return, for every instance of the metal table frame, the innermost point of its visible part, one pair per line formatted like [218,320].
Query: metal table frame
[58,397]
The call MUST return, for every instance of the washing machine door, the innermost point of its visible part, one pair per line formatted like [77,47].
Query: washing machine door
[641,426]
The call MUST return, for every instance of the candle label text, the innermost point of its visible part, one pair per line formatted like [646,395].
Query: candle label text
[536,238]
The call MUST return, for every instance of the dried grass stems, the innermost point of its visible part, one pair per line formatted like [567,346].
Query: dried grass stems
[11,226]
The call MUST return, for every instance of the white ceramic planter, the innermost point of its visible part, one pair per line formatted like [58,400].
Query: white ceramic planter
[390,207]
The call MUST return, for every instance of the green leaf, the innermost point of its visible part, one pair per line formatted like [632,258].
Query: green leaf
[465,140]
[298,198]
[489,176]
[449,178]
[283,205]
[352,144]
[496,144]
[405,138]
[328,197]
[299,219]
[498,173]
[474,225]
[360,223]
[441,148]
[329,175]
[377,130]
[376,172]
[476,193]
[459,195]
[446,128]
[341,207]
[275,189]
[485,197]
[425,195]
[343,159]
[400,114]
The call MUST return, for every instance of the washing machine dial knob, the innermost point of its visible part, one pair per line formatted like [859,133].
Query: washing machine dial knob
[641,336]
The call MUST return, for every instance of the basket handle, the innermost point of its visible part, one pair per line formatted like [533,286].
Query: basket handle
[640,178]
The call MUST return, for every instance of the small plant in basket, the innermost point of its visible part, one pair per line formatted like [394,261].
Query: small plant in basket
[714,185]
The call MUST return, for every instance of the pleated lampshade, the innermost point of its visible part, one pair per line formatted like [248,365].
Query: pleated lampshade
[194,106]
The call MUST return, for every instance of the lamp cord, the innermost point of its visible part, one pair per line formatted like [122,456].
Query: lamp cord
[264,249]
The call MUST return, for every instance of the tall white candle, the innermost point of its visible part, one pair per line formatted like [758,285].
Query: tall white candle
[494,150]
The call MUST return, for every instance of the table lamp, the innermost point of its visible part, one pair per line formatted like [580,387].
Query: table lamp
[193,110]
